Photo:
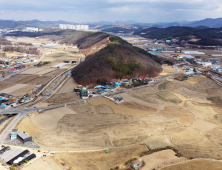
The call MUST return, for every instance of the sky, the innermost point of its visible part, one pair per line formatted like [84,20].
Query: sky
[145,11]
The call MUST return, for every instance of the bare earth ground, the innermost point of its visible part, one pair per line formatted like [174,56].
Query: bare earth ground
[99,160]
[38,70]
[13,88]
[68,87]
[47,163]
[197,165]
[180,114]
[159,158]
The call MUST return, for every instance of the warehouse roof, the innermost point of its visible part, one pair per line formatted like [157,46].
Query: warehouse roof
[23,135]
[8,153]
[14,154]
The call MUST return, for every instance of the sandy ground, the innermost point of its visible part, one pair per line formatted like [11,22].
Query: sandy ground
[195,80]
[34,41]
[68,87]
[173,113]
[47,163]
[43,120]
[41,104]
[62,98]
[26,90]
[39,80]
[13,88]
[117,109]
[167,70]
[197,165]
[38,70]
[99,160]
[157,159]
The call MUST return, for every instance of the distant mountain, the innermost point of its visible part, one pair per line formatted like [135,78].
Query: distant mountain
[208,22]
[116,30]
[130,22]
[29,23]
[8,24]
[207,36]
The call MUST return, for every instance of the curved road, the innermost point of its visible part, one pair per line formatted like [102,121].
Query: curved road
[22,112]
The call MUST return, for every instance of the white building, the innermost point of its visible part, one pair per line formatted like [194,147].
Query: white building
[30,29]
[74,27]
[61,26]
[193,52]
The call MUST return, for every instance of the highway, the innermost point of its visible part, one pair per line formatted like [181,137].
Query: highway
[22,112]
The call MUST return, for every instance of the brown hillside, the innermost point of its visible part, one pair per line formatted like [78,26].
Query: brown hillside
[96,47]
[116,60]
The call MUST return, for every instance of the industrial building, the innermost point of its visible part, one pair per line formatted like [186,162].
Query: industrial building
[13,155]
[83,93]
[14,133]
[24,137]
[193,52]
[27,158]
[22,154]
[30,29]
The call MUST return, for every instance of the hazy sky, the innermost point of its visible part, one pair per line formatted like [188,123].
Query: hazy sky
[110,10]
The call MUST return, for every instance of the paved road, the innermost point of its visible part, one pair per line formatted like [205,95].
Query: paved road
[24,111]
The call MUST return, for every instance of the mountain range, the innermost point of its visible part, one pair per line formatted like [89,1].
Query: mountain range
[208,22]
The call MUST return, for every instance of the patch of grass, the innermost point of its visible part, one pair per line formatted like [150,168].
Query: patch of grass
[163,86]
[42,63]
[161,149]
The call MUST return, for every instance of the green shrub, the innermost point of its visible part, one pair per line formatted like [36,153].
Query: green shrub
[143,163]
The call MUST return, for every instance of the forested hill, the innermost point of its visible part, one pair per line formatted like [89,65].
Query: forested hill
[116,61]
[209,36]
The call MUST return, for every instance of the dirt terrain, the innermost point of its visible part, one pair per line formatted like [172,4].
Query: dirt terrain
[159,159]
[99,160]
[98,46]
[179,115]
[13,88]
[197,165]
[48,163]
[183,114]
[68,87]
